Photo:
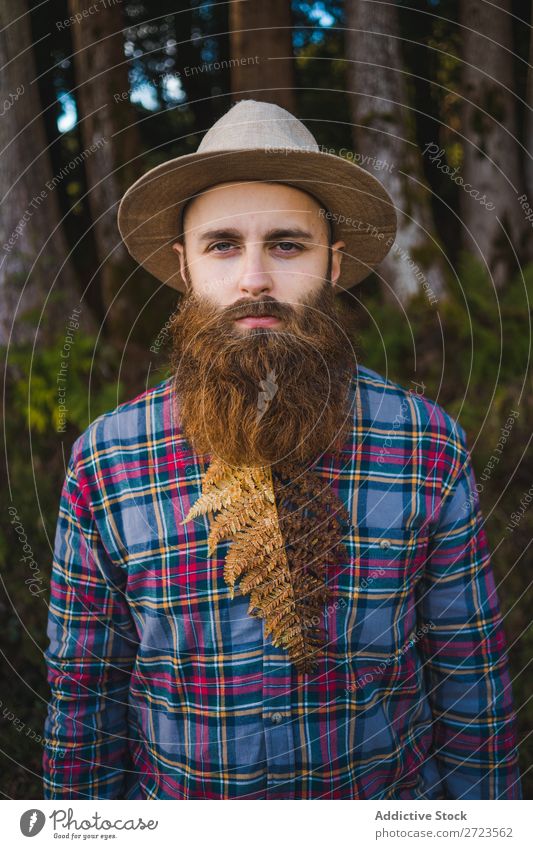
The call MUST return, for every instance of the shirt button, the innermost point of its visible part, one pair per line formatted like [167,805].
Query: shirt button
[385,543]
[277,717]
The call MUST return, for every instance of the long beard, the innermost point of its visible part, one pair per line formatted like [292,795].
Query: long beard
[264,395]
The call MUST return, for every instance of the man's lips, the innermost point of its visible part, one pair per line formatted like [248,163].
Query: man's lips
[258,321]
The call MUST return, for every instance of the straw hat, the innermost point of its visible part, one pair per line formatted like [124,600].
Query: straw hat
[258,141]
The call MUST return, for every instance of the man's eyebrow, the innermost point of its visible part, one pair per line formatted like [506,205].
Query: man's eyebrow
[207,235]
[288,232]
[271,235]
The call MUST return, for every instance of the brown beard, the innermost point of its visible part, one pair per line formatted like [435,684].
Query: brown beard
[260,395]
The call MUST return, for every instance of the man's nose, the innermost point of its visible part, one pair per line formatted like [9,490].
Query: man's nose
[254,277]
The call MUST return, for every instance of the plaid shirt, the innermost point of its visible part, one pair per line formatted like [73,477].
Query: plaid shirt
[163,687]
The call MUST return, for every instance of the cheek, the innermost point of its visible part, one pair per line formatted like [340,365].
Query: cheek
[299,286]
[303,274]
[211,281]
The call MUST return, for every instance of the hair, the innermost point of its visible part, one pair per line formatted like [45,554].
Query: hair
[302,368]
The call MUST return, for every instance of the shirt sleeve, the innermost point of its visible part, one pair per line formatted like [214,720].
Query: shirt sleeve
[464,651]
[92,648]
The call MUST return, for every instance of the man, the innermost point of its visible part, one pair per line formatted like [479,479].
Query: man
[271,578]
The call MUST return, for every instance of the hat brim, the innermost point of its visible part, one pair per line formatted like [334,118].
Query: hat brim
[361,211]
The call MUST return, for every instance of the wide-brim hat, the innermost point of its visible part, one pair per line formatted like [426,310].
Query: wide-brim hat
[258,141]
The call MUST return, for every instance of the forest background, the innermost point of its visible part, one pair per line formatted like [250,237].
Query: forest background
[434,98]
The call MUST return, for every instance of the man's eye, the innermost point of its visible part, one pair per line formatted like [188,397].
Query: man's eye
[223,246]
[287,247]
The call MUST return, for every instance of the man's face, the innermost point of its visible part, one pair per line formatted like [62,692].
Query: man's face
[262,355]
[247,242]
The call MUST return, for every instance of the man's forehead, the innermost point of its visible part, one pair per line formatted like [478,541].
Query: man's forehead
[252,205]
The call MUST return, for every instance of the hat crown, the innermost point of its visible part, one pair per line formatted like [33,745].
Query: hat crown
[254,124]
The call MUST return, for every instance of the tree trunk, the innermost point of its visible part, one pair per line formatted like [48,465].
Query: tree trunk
[384,141]
[528,153]
[35,273]
[491,164]
[261,51]
[109,133]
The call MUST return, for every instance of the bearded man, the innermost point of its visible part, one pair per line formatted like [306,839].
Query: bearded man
[271,578]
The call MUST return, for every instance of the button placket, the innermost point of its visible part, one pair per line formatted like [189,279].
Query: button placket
[279,739]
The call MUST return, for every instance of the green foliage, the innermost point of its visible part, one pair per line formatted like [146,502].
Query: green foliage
[474,344]
[35,458]
[40,376]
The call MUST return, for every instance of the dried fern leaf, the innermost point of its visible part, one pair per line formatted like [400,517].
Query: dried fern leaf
[277,554]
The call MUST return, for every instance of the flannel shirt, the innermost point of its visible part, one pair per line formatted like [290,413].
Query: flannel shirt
[163,687]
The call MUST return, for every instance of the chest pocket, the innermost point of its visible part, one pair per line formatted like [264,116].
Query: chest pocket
[375,590]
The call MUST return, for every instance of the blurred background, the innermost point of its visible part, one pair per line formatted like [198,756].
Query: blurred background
[435,101]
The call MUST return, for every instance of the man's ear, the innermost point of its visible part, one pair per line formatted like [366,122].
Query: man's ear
[336,260]
[179,248]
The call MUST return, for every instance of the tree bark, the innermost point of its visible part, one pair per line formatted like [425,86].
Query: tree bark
[108,129]
[35,273]
[528,153]
[383,132]
[261,51]
[491,164]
